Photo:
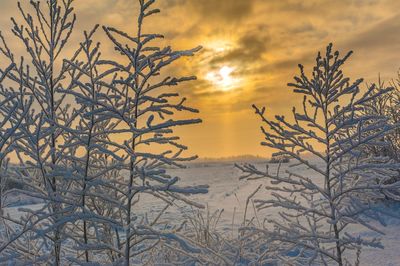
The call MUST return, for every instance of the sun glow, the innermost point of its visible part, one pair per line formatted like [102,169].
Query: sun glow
[225,73]
[223,78]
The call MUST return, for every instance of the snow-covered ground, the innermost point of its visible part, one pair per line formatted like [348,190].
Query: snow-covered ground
[229,193]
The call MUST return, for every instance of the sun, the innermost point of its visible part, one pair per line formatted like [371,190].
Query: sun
[223,77]
[225,73]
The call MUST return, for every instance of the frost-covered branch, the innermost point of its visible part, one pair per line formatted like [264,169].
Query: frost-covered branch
[329,136]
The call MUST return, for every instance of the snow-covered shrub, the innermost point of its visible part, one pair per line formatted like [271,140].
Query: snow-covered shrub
[324,192]
[218,243]
[387,105]
[215,244]
[200,230]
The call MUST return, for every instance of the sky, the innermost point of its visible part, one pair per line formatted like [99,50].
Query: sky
[251,49]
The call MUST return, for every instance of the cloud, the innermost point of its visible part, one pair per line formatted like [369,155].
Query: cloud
[303,28]
[380,36]
[226,10]
[250,48]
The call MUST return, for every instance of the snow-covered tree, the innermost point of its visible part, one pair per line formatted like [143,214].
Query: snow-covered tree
[12,112]
[89,157]
[95,142]
[325,191]
[42,167]
[387,105]
[393,114]
[141,107]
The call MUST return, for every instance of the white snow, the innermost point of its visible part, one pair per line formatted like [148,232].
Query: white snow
[229,193]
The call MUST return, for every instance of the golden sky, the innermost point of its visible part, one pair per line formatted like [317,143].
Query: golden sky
[251,49]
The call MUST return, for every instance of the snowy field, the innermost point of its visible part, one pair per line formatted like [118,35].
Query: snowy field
[229,193]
